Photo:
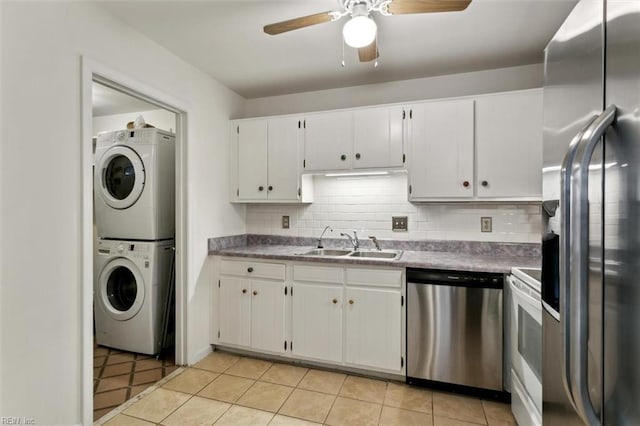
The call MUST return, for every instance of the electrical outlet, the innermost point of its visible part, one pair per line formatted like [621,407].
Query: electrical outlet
[285,222]
[486,224]
[399,223]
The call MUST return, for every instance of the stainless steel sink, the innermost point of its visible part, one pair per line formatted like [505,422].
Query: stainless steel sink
[362,254]
[327,252]
[374,254]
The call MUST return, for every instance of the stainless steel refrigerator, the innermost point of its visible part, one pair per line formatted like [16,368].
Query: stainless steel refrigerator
[591,193]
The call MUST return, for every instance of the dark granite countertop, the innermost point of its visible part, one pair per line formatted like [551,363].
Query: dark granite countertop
[499,262]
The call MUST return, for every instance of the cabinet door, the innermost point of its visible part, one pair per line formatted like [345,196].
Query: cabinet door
[317,321]
[441,156]
[328,141]
[252,160]
[373,327]
[377,137]
[284,159]
[235,311]
[509,145]
[267,315]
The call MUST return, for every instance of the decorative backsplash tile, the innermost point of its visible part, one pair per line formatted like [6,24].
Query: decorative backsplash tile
[367,204]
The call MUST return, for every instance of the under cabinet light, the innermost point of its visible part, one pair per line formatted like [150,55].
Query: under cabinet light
[356,174]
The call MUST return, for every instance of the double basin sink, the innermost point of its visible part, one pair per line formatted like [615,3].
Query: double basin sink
[362,254]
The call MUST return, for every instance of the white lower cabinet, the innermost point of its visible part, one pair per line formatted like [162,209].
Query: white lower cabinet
[316,322]
[351,316]
[251,312]
[267,316]
[373,328]
[235,311]
[342,316]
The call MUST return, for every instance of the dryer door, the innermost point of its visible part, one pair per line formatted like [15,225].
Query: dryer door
[120,177]
[121,289]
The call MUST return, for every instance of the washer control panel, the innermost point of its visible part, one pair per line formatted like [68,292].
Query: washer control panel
[126,248]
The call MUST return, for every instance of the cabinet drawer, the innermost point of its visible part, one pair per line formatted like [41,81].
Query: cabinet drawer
[318,274]
[374,277]
[252,269]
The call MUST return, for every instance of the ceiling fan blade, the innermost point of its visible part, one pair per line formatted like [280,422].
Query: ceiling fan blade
[402,7]
[297,23]
[368,53]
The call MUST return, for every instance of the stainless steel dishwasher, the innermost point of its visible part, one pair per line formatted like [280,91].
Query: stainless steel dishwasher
[454,331]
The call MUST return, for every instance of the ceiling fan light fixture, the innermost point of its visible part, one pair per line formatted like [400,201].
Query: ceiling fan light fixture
[359,31]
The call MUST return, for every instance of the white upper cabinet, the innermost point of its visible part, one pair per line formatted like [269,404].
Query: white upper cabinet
[441,150]
[509,145]
[284,148]
[252,159]
[480,148]
[377,138]
[328,141]
[267,155]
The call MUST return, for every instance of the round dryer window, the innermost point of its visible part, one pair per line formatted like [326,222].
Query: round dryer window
[120,177]
[121,289]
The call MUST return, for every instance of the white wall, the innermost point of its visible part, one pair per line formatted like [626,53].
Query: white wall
[489,81]
[160,118]
[40,176]
[367,204]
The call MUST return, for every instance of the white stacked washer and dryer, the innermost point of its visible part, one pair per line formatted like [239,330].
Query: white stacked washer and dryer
[134,195]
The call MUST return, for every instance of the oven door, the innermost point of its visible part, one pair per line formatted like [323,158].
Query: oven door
[526,339]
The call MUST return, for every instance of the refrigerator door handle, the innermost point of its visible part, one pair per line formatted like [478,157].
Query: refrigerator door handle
[565,252]
[576,353]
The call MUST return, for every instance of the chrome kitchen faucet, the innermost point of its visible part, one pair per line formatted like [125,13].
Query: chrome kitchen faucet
[321,235]
[375,242]
[353,240]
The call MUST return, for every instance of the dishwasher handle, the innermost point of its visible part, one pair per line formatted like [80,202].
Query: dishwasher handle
[455,278]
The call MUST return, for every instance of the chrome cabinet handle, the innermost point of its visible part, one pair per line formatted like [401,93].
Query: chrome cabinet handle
[577,304]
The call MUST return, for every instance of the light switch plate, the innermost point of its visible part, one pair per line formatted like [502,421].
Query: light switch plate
[486,224]
[399,223]
[285,222]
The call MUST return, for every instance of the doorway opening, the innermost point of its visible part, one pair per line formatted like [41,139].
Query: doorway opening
[133,238]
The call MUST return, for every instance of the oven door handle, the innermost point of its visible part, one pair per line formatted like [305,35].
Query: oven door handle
[516,288]
[576,353]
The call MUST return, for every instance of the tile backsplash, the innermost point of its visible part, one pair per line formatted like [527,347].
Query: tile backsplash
[367,204]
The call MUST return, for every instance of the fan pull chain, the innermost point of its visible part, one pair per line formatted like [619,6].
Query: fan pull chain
[343,63]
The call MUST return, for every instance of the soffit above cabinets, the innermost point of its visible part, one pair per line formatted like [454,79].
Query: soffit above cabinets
[225,40]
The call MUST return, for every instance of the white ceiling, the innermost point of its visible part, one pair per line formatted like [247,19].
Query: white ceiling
[225,40]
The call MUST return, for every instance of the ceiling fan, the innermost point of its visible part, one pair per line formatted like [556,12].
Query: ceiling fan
[360,31]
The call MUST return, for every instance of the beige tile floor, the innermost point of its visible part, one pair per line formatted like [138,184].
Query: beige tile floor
[226,389]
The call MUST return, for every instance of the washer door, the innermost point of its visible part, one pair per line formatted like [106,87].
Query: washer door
[120,177]
[121,289]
